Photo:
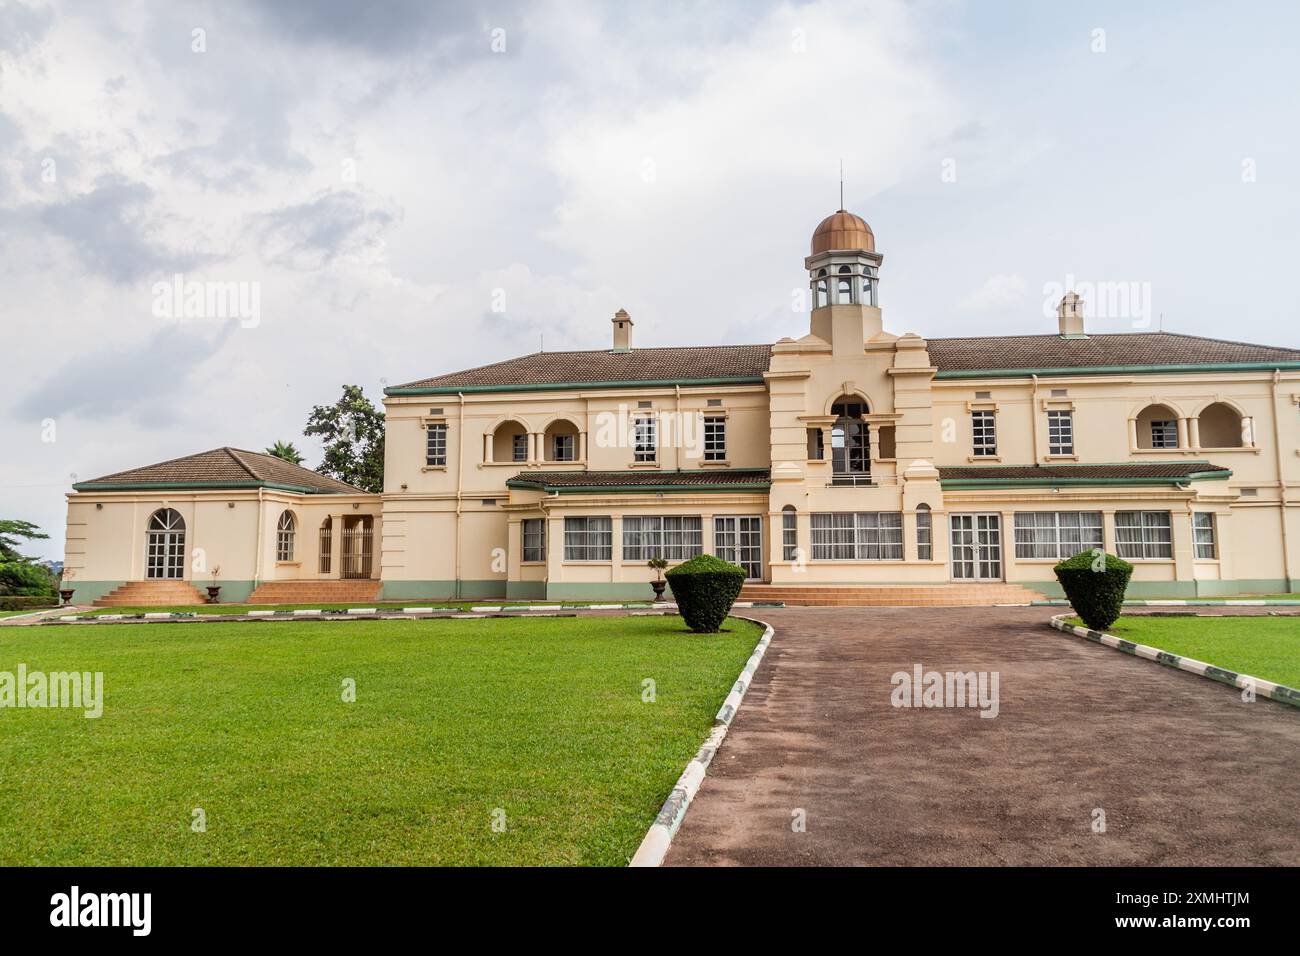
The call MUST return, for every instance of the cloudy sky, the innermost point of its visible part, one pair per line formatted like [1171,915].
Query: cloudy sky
[413,187]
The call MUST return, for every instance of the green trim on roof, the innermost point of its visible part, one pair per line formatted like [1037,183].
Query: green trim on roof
[203,486]
[530,484]
[1112,369]
[557,386]
[1210,474]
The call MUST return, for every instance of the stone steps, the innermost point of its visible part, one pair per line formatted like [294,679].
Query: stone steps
[159,593]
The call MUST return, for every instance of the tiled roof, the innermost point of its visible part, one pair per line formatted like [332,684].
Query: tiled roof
[952,356]
[1138,473]
[1107,350]
[222,468]
[700,479]
[703,362]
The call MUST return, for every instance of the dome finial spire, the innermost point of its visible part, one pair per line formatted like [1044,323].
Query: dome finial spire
[841,183]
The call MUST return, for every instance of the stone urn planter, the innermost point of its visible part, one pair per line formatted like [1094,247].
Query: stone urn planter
[214,594]
[659,589]
[66,595]
[657,565]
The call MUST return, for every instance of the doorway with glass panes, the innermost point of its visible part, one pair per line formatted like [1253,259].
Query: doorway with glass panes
[976,547]
[739,539]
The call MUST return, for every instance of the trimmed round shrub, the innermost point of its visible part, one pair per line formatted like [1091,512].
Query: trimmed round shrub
[705,587]
[1094,583]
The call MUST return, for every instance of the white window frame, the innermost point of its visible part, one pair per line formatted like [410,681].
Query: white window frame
[534,530]
[1060,432]
[984,433]
[924,533]
[1144,535]
[1056,535]
[1205,535]
[715,437]
[564,447]
[857,536]
[285,532]
[589,538]
[519,447]
[645,438]
[671,537]
[435,445]
[789,534]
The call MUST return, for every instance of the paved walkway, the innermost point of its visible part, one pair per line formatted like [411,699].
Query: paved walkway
[1185,772]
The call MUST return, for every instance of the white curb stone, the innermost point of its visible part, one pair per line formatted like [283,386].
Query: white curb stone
[654,847]
[361,610]
[158,616]
[307,612]
[260,614]
[1265,688]
[417,610]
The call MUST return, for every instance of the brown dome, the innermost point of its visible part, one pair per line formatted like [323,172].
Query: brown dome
[843,230]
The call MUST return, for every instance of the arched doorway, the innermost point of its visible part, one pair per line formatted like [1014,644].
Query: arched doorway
[165,551]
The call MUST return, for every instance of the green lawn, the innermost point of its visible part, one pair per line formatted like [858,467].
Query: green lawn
[30,610]
[1265,647]
[542,718]
[245,608]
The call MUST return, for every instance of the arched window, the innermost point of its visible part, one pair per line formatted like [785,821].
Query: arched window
[850,441]
[510,442]
[1157,427]
[284,532]
[868,285]
[844,294]
[561,441]
[924,533]
[165,545]
[822,290]
[789,534]
[1221,427]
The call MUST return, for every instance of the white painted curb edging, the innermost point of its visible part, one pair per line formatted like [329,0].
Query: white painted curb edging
[1279,692]
[654,847]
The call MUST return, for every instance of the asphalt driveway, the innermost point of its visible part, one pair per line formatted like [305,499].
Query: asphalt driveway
[1184,772]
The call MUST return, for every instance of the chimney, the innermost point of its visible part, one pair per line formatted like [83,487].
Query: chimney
[1070,315]
[622,331]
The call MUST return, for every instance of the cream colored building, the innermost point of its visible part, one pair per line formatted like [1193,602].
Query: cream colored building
[846,455]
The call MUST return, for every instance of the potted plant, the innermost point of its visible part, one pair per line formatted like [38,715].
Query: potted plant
[214,589]
[65,592]
[657,565]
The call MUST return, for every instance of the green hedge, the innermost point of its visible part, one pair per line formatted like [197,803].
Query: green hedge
[705,587]
[1095,583]
[15,602]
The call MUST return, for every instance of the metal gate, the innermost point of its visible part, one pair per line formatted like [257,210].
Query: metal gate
[358,547]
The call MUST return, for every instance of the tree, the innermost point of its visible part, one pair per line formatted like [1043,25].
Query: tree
[10,531]
[286,451]
[20,574]
[353,432]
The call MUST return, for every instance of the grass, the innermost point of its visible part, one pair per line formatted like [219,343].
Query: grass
[30,610]
[1264,647]
[328,606]
[542,718]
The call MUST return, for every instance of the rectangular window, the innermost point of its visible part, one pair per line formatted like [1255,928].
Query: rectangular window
[562,448]
[435,445]
[646,439]
[534,539]
[1203,532]
[1060,433]
[789,535]
[715,438]
[1164,434]
[857,536]
[673,538]
[588,539]
[816,444]
[1056,534]
[924,536]
[1143,534]
[984,432]
[519,447]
